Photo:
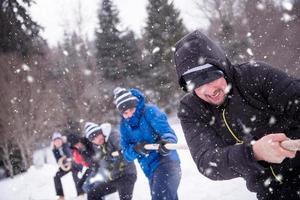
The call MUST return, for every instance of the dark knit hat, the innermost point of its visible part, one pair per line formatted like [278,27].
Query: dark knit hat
[73,139]
[201,75]
[198,60]
[124,99]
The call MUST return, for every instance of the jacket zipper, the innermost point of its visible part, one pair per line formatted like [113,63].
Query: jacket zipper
[239,141]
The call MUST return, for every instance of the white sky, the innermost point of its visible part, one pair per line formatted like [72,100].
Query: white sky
[59,15]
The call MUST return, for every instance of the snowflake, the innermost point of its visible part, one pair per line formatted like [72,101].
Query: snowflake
[25,67]
[155,50]
[208,171]
[260,6]
[212,121]
[249,51]
[30,79]
[228,88]
[87,72]
[267,182]
[65,53]
[272,120]
[190,86]
[287,5]
[286,18]
[213,164]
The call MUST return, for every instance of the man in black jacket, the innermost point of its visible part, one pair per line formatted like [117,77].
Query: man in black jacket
[235,117]
[112,173]
[61,150]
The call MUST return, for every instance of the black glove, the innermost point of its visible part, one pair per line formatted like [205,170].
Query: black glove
[139,148]
[162,150]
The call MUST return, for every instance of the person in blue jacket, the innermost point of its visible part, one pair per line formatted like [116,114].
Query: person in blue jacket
[141,124]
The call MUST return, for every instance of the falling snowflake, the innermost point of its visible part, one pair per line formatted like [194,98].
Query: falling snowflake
[30,79]
[212,121]
[260,6]
[65,53]
[155,50]
[267,182]
[286,17]
[201,60]
[25,67]
[272,120]
[190,86]
[249,51]
[87,72]
[287,5]
[208,171]
[246,129]
[228,88]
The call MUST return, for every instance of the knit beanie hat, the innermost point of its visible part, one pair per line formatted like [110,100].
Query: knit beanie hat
[56,135]
[92,130]
[124,99]
[200,75]
[73,139]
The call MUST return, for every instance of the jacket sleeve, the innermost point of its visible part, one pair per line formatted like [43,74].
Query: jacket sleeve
[127,147]
[67,150]
[56,154]
[214,158]
[277,89]
[159,122]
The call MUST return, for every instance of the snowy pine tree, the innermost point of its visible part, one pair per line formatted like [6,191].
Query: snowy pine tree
[164,28]
[108,42]
[18,32]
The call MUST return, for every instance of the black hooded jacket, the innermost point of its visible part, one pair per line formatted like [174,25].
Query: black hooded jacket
[262,100]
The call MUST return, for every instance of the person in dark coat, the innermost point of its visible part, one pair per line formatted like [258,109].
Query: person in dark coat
[141,124]
[235,117]
[112,173]
[61,149]
[82,153]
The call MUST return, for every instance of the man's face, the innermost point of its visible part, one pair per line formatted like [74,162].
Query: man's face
[58,142]
[99,139]
[128,113]
[213,92]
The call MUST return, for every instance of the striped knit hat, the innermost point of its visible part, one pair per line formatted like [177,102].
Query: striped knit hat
[91,130]
[124,99]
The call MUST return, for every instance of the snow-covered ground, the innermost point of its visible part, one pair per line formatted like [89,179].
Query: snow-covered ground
[37,183]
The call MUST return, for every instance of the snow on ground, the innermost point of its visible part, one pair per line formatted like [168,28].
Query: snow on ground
[37,183]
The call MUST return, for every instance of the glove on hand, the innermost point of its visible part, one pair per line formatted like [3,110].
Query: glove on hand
[139,148]
[162,150]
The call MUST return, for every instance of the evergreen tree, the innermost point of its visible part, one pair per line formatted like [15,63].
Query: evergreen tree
[164,28]
[131,59]
[18,32]
[108,42]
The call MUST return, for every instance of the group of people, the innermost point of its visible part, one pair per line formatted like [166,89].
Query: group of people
[234,118]
[104,157]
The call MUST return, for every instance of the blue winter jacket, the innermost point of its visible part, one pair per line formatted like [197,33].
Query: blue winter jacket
[148,124]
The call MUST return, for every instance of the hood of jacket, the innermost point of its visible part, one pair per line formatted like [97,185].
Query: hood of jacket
[197,49]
